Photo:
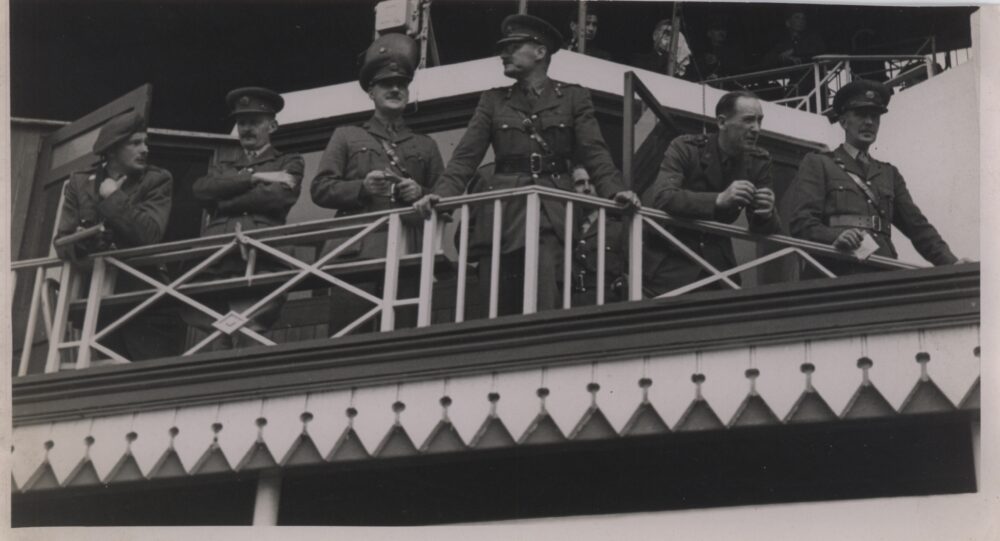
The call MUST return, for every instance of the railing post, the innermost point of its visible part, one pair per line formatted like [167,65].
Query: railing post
[463,263]
[818,90]
[97,286]
[29,333]
[391,277]
[929,63]
[495,259]
[635,258]
[268,498]
[427,271]
[601,249]
[59,318]
[531,237]
[568,257]
[628,131]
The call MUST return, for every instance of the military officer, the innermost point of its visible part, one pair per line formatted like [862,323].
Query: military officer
[254,190]
[585,248]
[716,177]
[131,200]
[536,127]
[381,164]
[841,197]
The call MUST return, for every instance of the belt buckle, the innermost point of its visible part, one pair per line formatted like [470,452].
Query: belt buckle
[877,223]
[535,163]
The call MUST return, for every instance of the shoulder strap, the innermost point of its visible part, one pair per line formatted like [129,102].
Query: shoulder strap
[535,134]
[394,159]
[864,187]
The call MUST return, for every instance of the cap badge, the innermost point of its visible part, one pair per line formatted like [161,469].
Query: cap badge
[870,95]
[244,101]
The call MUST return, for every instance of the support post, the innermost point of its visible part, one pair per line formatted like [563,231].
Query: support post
[391,277]
[265,506]
[97,285]
[531,238]
[581,26]
[817,89]
[635,258]
[427,271]
[59,318]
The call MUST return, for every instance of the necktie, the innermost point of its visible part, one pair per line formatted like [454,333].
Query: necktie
[865,161]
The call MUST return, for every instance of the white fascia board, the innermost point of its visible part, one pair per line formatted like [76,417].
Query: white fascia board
[568,66]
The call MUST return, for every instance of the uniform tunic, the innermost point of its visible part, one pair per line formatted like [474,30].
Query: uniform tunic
[693,172]
[133,215]
[823,188]
[236,202]
[355,151]
[564,115]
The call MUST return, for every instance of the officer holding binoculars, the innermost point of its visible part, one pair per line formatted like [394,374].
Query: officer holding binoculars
[710,177]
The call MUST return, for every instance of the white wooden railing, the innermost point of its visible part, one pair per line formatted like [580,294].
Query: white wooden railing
[54,278]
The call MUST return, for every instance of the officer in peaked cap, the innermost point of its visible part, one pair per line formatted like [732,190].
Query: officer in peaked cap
[861,94]
[130,200]
[253,189]
[391,56]
[846,197]
[254,100]
[521,28]
[379,165]
[537,127]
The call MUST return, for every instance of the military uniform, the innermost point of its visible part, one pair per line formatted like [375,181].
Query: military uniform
[355,151]
[826,201]
[133,215]
[584,271]
[693,172]
[835,191]
[564,115]
[234,201]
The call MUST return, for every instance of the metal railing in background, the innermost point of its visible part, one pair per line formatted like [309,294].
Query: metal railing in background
[811,86]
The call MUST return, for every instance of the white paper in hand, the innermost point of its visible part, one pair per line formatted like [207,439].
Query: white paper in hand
[867,248]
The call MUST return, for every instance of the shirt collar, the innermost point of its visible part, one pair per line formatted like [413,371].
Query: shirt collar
[257,153]
[851,150]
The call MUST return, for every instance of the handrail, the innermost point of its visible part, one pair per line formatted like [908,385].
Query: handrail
[827,70]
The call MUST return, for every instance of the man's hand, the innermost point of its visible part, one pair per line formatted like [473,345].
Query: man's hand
[408,190]
[763,202]
[425,205]
[627,198]
[279,177]
[849,239]
[375,183]
[738,195]
[110,186]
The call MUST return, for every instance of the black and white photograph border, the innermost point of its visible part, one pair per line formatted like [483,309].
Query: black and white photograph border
[381,269]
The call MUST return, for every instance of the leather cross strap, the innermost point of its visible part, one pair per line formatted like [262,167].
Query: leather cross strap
[864,187]
[535,134]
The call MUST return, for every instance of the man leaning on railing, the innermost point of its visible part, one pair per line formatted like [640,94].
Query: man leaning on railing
[536,127]
[255,190]
[850,200]
[710,177]
[122,203]
[381,164]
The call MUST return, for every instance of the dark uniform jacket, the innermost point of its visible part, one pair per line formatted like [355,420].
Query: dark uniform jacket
[823,189]
[355,151]
[234,201]
[584,271]
[134,215]
[564,114]
[693,172]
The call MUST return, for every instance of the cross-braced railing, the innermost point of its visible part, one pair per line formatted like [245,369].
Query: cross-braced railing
[57,293]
